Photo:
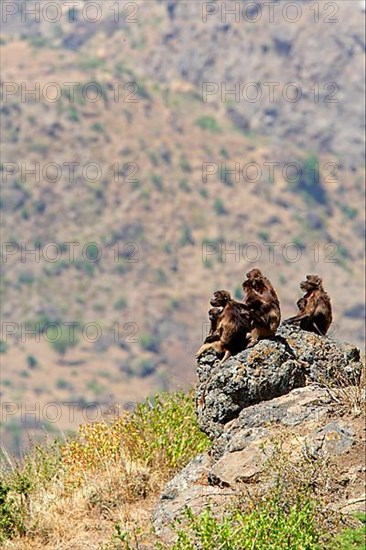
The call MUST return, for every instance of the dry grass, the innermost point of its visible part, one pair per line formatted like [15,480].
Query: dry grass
[87,491]
[348,394]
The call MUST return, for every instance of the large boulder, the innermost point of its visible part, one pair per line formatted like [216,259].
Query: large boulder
[270,369]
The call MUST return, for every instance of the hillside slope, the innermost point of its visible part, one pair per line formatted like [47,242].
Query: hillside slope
[162,232]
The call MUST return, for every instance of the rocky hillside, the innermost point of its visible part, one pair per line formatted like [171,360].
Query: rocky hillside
[146,175]
[298,396]
[282,464]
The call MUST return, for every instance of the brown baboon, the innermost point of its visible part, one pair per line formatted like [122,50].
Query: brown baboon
[264,307]
[213,315]
[315,310]
[232,325]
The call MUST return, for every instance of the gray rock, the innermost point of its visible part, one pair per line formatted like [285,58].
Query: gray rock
[302,405]
[329,440]
[189,487]
[270,369]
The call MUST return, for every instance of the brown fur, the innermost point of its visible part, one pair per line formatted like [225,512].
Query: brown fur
[232,325]
[315,310]
[214,315]
[263,303]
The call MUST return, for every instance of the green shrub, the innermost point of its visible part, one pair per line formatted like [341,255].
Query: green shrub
[268,526]
[208,123]
[226,177]
[120,304]
[263,235]
[185,164]
[219,207]
[348,211]
[309,181]
[38,41]
[95,387]
[98,127]
[146,367]
[161,433]
[167,425]
[41,464]
[62,384]
[32,362]
[90,63]
[157,181]
[26,278]
[160,276]
[186,236]
[183,184]
[73,114]
[64,341]
[351,539]
[149,342]
[11,513]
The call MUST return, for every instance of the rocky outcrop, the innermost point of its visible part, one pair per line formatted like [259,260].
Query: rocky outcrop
[285,389]
[270,369]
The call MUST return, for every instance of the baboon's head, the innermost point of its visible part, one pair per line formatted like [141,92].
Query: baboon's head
[220,298]
[313,282]
[214,313]
[254,274]
[255,280]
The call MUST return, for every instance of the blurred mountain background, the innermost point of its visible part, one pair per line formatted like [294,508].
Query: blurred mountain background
[143,99]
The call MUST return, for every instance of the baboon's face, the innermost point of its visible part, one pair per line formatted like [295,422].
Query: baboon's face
[220,298]
[313,282]
[214,313]
[254,282]
[254,274]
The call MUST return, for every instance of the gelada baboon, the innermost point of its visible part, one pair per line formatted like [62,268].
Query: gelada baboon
[264,306]
[315,310]
[230,319]
[213,315]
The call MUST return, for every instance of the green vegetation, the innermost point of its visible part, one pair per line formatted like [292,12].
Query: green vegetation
[32,362]
[26,278]
[208,123]
[348,211]
[90,63]
[351,539]
[309,181]
[62,384]
[226,176]
[157,181]
[98,127]
[38,41]
[263,235]
[219,207]
[61,338]
[186,236]
[120,304]
[95,387]
[149,342]
[269,525]
[146,367]
[73,114]
[185,164]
